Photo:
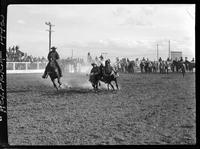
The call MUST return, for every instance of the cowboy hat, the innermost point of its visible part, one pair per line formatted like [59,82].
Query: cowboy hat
[101,56]
[93,64]
[53,48]
[107,61]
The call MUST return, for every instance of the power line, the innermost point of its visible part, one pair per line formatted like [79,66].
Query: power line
[157,52]
[169,49]
[189,14]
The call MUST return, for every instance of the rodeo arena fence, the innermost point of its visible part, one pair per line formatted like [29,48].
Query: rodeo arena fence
[39,67]
[70,67]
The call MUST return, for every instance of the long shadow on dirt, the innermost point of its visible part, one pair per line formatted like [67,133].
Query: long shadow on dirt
[19,91]
[67,92]
[77,91]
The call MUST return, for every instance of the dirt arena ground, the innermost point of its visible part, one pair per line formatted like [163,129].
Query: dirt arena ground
[148,109]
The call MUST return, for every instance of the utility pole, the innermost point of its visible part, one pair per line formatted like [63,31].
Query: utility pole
[169,50]
[72,53]
[50,25]
[157,52]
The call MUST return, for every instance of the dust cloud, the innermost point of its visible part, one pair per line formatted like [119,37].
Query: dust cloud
[79,79]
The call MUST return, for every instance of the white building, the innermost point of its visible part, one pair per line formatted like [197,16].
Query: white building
[176,54]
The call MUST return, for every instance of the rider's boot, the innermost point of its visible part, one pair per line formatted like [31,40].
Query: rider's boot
[44,76]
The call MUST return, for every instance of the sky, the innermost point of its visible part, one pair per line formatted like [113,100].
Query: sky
[119,30]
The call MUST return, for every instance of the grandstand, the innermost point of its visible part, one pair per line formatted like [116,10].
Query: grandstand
[20,62]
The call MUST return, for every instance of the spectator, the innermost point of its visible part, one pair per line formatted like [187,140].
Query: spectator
[192,60]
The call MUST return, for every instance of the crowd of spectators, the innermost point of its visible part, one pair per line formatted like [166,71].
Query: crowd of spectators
[74,60]
[13,54]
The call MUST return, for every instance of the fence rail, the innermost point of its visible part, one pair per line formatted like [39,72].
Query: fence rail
[25,67]
[39,67]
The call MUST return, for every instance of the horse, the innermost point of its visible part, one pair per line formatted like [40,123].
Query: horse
[53,73]
[172,66]
[189,66]
[161,67]
[131,66]
[179,66]
[154,67]
[123,66]
[146,67]
[107,79]
[166,67]
[142,66]
[94,79]
[150,68]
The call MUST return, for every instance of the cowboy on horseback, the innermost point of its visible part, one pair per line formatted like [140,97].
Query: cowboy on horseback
[109,74]
[53,55]
[94,72]
[109,70]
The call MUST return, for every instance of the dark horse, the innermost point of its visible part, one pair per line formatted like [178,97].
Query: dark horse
[107,79]
[189,66]
[179,66]
[131,66]
[142,66]
[52,71]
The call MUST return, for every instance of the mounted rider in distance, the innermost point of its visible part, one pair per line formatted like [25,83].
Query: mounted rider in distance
[53,55]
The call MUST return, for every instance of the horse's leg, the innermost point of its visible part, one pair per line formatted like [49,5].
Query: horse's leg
[59,82]
[108,86]
[54,84]
[116,83]
[97,86]
[94,87]
[112,86]
[99,83]
[183,72]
